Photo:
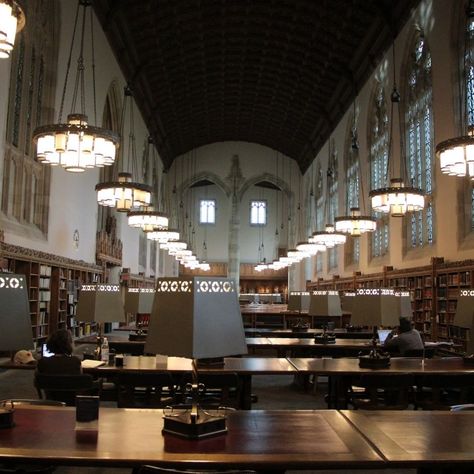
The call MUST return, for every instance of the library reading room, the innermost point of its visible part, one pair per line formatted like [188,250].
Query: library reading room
[236,236]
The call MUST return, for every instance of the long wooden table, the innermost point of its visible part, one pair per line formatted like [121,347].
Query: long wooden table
[264,440]
[341,371]
[340,333]
[244,367]
[442,441]
[284,347]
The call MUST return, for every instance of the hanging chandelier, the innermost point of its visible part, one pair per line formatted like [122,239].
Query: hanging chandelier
[125,194]
[174,246]
[329,237]
[456,155]
[310,248]
[163,236]
[75,145]
[147,219]
[397,199]
[355,224]
[12,20]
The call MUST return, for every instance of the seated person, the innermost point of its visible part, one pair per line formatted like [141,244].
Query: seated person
[408,338]
[62,362]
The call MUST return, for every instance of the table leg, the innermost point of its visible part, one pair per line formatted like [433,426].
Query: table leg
[246,392]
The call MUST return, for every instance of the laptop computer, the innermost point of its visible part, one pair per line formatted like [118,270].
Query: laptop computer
[45,352]
[383,333]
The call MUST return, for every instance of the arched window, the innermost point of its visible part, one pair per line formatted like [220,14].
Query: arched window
[26,183]
[319,199]
[378,138]
[419,136]
[333,207]
[352,245]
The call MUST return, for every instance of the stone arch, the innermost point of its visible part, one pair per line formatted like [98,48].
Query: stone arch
[208,176]
[271,178]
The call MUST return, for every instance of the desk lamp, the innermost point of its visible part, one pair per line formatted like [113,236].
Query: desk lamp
[326,303]
[198,318]
[464,318]
[100,303]
[139,301]
[15,322]
[299,301]
[376,307]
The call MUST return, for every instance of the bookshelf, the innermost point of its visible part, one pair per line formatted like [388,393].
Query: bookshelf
[53,287]
[434,290]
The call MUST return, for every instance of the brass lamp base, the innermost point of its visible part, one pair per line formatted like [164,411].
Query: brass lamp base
[370,362]
[325,339]
[469,360]
[186,426]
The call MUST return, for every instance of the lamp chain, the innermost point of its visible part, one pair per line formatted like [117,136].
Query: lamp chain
[68,66]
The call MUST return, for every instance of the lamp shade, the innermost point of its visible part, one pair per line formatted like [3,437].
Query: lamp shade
[196,317]
[325,303]
[139,300]
[15,323]
[376,307]
[464,316]
[298,301]
[347,301]
[101,303]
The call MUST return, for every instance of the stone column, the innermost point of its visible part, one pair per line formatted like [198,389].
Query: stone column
[235,180]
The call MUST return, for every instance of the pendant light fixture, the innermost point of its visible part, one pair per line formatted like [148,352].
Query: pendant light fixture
[148,218]
[328,237]
[75,145]
[397,198]
[456,155]
[12,20]
[125,194]
[355,224]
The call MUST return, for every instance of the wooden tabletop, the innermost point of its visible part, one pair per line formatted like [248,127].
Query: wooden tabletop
[255,440]
[348,366]
[239,365]
[340,333]
[415,438]
[263,309]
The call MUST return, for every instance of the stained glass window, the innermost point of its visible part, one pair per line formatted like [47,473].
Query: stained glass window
[378,168]
[419,126]
[333,208]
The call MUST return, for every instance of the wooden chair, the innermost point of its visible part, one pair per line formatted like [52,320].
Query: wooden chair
[383,392]
[64,388]
[220,390]
[440,392]
[137,390]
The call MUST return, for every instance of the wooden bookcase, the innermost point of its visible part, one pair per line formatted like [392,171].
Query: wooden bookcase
[433,288]
[53,288]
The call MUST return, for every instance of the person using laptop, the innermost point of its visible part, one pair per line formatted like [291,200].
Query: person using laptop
[62,361]
[407,339]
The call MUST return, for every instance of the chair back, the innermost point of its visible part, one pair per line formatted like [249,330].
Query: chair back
[441,391]
[220,390]
[135,390]
[385,392]
[64,388]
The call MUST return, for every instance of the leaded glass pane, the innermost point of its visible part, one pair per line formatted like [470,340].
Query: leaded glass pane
[419,135]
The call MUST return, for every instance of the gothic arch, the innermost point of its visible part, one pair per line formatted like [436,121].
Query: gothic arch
[207,176]
[280,183]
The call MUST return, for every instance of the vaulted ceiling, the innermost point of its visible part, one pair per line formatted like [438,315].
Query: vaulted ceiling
[280,73]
